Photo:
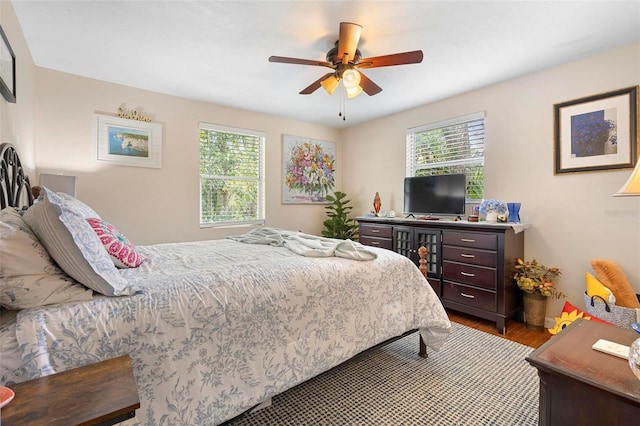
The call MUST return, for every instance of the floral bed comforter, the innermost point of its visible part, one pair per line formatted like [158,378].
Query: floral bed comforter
[221,326]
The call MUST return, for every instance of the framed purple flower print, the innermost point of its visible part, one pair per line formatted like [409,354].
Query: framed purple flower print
[598,132]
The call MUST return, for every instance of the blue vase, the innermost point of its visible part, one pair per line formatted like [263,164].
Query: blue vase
[514,212]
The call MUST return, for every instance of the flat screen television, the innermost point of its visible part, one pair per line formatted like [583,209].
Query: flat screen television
[433,195]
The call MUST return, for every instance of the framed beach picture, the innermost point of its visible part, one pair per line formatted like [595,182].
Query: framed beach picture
[309,170]
[127,142]
[598,132]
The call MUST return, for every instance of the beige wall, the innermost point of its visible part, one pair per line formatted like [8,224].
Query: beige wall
[17,119]
[156,205]
[574,217]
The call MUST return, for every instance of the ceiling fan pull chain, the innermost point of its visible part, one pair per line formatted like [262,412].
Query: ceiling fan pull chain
[343,103]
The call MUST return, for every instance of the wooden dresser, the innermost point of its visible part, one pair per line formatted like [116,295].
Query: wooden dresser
[469,265]
[581,386]
[376,235]
[103,393]
[470,269]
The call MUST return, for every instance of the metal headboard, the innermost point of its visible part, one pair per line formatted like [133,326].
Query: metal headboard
[15,189]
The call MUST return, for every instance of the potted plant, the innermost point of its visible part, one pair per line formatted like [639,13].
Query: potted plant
[537,282]
[492,209]
[339,225]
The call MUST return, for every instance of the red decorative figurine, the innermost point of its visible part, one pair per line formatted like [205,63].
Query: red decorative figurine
[376,204]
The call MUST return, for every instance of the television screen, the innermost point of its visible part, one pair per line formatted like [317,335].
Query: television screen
[439,194]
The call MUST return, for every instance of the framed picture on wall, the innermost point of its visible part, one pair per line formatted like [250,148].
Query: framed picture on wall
[598,132]
[309,170]
[7,69]
[125,142]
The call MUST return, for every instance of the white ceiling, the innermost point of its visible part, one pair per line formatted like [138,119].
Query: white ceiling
[216,51]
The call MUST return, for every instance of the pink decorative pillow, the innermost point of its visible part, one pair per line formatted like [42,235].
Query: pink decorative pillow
[122,252]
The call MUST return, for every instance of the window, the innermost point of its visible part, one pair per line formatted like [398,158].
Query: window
[451,146]
[231,176]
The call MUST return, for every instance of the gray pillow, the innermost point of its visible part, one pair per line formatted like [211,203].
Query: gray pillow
[60,225]
[28,276]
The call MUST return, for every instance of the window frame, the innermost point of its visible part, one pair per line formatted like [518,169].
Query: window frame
[412,167]
[261,209]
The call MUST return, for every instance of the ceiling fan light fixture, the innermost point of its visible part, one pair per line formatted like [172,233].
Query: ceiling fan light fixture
[351,79]
[352,92]
[330,84]
[345,61]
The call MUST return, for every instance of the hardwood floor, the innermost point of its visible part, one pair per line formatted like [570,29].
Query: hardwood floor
[516,331]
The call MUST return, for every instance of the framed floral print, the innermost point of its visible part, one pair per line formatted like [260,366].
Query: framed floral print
[309,170]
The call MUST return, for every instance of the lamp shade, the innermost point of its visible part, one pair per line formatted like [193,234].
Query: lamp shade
[329,84]
[351,78]
[352,92]
[632,185]
[59,183]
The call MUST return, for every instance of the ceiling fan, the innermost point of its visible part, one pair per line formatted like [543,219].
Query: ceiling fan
[346,60]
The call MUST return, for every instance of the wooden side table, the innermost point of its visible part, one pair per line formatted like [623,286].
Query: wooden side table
[581,386]
[104,393]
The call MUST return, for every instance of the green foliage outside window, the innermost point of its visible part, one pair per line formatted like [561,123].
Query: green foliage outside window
[230,177]
[451,148]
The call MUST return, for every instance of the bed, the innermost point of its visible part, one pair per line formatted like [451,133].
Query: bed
[213,328]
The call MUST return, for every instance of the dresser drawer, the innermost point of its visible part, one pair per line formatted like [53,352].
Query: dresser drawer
[470,296]
[468,255]
[469,274]
[380,231]
[470,239]
[386,243]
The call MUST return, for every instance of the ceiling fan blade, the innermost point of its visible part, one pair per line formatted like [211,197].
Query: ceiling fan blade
[413,57]
[368,86]
[348,39]
[315,85]
[296,61]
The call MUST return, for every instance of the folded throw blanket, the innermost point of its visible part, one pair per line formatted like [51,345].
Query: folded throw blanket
[305,244]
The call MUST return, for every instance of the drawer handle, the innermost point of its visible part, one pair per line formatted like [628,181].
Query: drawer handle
[469,296]
[468,240]
[471,256]
[467,274]
[375,243]
[375,231]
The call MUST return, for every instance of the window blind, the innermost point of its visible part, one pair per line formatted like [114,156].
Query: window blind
[231,176]
[450,146]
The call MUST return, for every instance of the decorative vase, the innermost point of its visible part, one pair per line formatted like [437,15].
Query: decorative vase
[316,195]
[492,217]
[535,308]
[514,212]
[376,204]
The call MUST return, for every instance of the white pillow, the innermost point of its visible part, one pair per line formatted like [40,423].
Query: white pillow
[76,205]
[28,276]
[60,224]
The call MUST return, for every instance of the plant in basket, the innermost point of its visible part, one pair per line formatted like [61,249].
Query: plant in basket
[537,282]
[535,278]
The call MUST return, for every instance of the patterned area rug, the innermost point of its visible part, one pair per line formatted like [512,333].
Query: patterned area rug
[475,379]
